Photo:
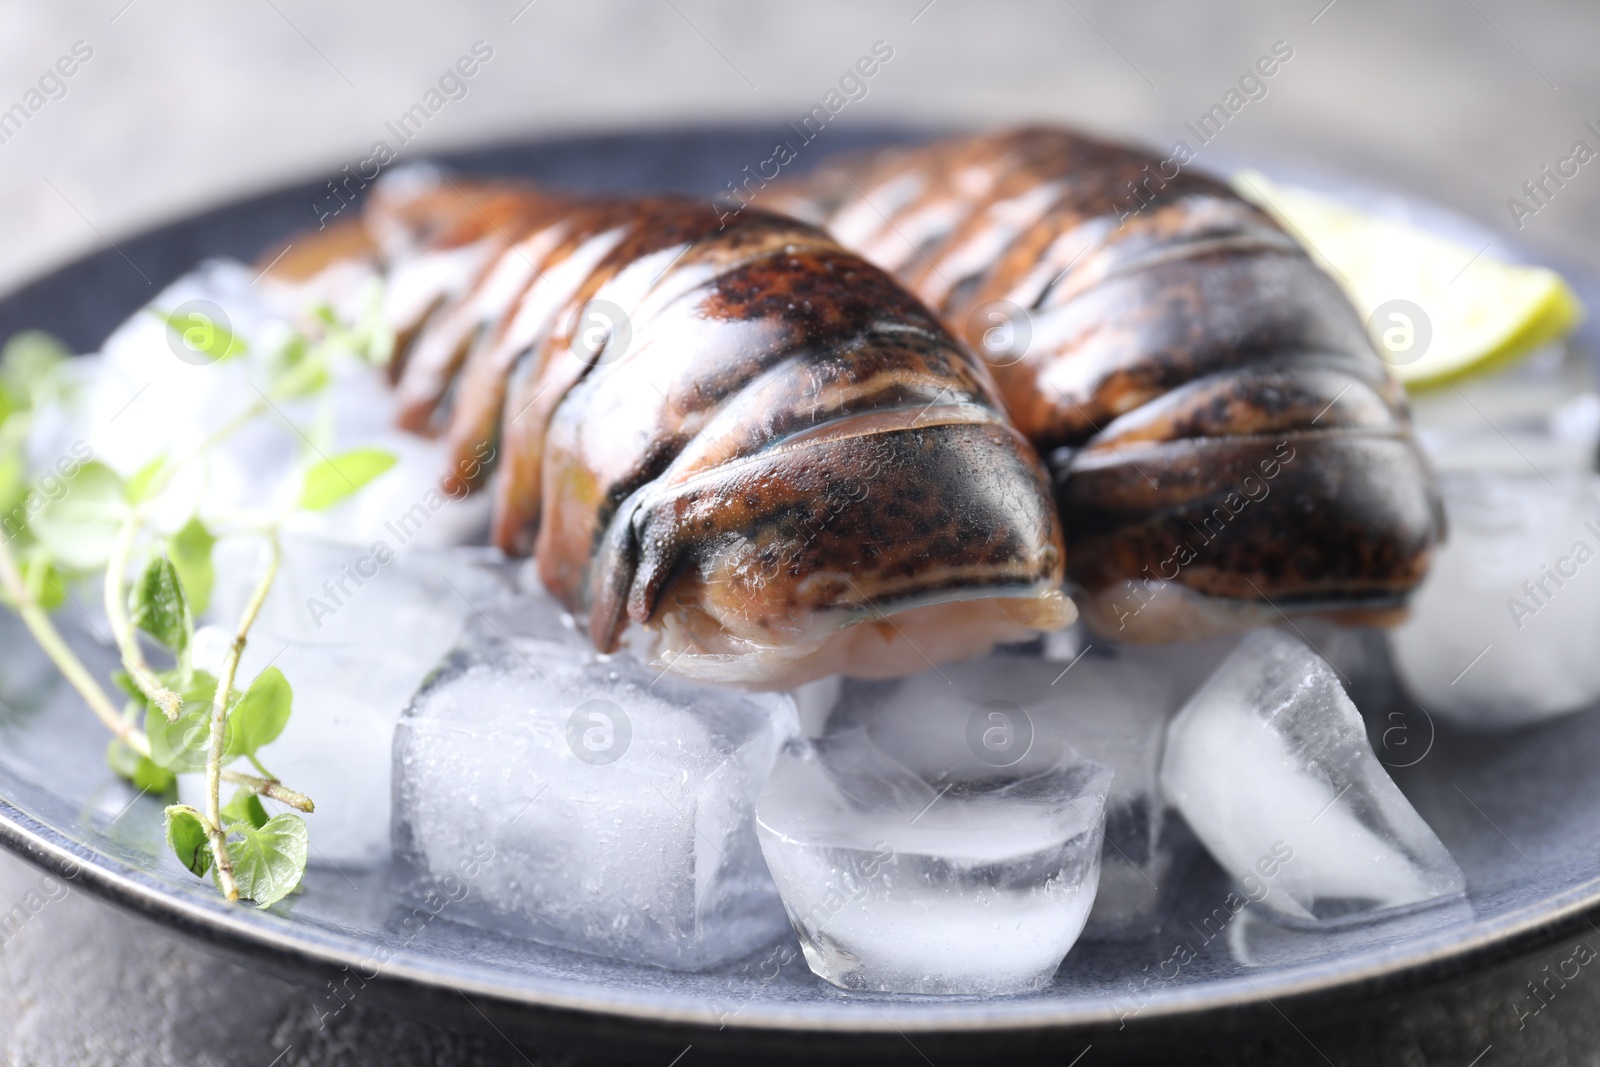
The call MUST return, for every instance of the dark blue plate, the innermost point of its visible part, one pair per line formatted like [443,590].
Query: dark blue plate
[1518,812]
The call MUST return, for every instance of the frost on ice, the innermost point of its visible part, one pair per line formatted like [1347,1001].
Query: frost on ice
[615,805]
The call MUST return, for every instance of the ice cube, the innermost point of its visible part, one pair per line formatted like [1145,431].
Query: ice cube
[1360,657]
[522,630]
[614,806]
[1269,763]
[151,395]
[1543,411]
[329,592]
[1505,627]
[894,885]
[1007,714]
[354,657]
[415,502]
[148,395]
[1145,841]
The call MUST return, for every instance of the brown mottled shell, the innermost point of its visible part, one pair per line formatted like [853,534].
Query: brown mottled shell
[1183,345]
[786,434]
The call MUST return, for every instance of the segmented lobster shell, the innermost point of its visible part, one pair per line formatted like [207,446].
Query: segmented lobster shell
[1217,423]
[741,435]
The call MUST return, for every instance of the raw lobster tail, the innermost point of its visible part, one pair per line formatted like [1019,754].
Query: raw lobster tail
[746,439]
[1225,443]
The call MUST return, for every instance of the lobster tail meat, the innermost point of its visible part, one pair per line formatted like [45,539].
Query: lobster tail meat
[743,440]
[1225,444]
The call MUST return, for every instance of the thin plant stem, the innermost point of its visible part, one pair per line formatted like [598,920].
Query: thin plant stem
[272,789]
[122,551]
[219,722]
[122,626]
[251,411]
[70,666]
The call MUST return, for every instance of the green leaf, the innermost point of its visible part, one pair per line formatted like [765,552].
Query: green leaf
[294,351]
[261,713]
[303,383]
[187,836]
[245,807]
[335,478]
[181,745]
[157,781]
[78,527]
[201,333]
[157,605]
[190,552]
[269,860]
[139,484]
[138,769]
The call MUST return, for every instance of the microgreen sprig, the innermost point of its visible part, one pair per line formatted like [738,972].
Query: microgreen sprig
[192,722]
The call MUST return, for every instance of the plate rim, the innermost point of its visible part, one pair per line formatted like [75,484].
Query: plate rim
[1401,968]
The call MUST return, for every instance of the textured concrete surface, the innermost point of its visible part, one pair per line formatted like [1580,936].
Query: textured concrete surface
[187,103]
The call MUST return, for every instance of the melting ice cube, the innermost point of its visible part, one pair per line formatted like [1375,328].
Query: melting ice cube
[896,885]
[1008,714]
[614,806]
[1505,627]
[1269,763]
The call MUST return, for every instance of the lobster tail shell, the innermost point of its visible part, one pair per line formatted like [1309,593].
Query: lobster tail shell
[743,438]
[1225,444]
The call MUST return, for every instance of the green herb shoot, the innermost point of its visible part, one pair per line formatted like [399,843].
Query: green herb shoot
[177,719]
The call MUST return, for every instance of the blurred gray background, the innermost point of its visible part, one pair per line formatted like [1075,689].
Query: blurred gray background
[185,104]
[188,103]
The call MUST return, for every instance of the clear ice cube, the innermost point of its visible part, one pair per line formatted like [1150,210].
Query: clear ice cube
[143,400]
[897,885]
[354,658]
[1007,714]
[1504,629]
[524,629]
[1270,765]
[614,805]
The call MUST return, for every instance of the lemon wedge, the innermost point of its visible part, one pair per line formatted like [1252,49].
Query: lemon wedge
[1437,310]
